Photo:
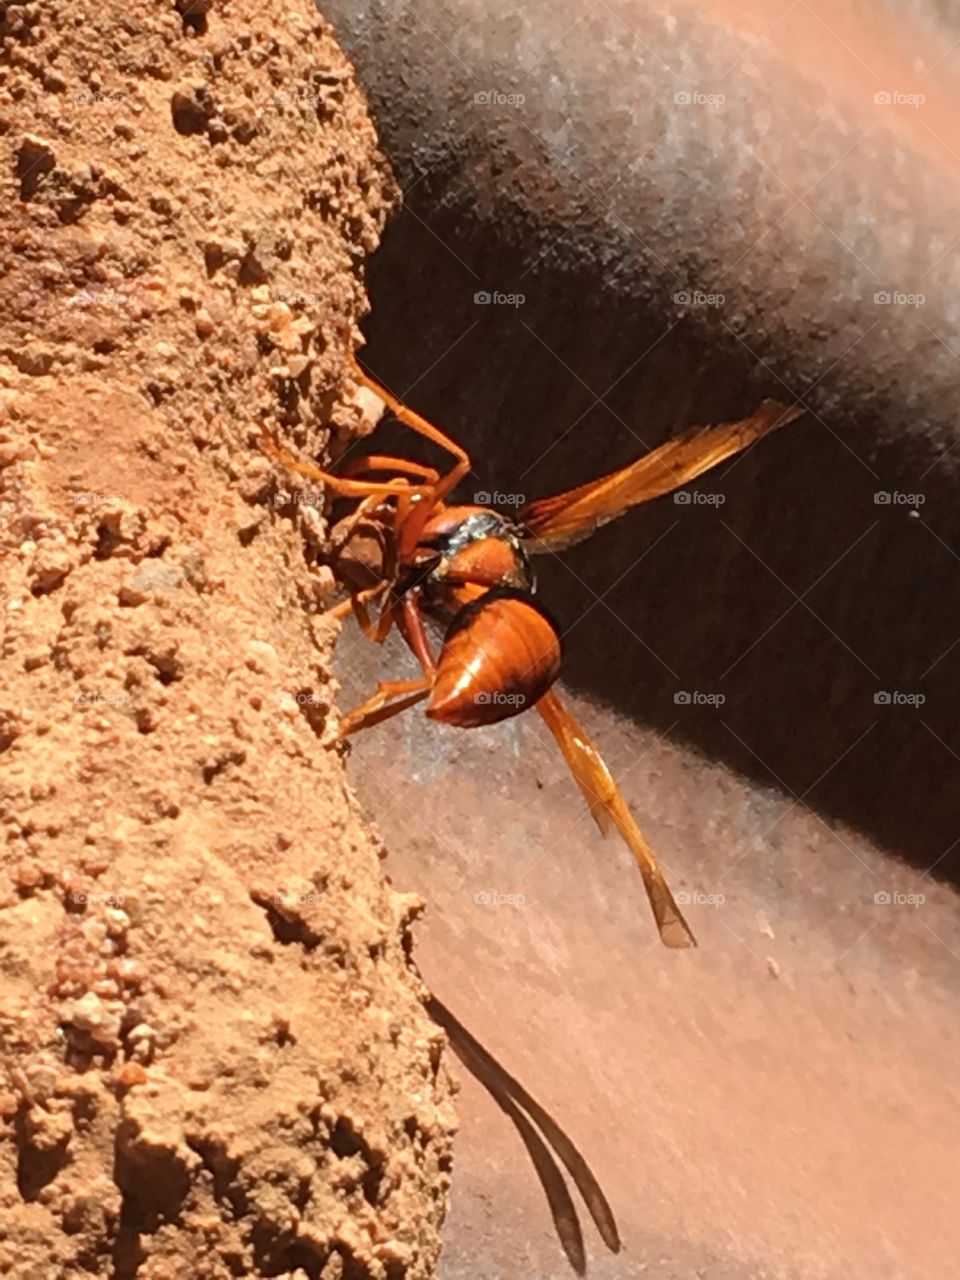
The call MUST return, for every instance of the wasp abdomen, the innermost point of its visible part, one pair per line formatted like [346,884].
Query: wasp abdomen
[499,657]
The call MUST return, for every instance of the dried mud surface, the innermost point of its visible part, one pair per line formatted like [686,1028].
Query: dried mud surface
[215,1059]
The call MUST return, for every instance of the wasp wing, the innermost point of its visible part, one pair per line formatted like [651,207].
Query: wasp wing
[554,523]
[610,810]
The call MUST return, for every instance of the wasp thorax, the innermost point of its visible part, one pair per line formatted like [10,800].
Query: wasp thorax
[499,657]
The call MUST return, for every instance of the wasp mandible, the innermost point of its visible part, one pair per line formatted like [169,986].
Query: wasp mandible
[468,568]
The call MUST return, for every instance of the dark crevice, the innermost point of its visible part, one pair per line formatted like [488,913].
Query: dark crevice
[313,711]
[345,1143]
[190,113]
[36,1167]
[275,1253]
[213,771]
[108,539]
[153,1186]
[276,1256]
[193,14]
[287,929]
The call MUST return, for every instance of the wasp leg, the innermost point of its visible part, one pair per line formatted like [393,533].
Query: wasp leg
[386,462]
[412,526]
[415,634]
[340,610]
[337,484]
[345,528]
[381,706]
[609,809]
[356,603]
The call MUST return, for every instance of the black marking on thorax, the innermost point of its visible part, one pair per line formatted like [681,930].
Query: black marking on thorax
[475,528]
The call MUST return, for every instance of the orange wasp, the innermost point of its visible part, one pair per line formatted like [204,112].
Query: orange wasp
[468,567]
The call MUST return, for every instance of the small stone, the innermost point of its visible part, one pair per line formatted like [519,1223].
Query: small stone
[90,1014]
[28,876]
[130,1075]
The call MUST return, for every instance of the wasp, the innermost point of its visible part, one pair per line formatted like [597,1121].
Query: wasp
[468,568]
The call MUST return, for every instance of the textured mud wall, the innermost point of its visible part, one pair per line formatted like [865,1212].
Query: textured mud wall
[214,1058]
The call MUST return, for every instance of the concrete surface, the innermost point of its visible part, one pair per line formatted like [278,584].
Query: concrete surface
[853,598]
[782,1102]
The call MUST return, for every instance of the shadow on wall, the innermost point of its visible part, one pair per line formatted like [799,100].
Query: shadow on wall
[795,616]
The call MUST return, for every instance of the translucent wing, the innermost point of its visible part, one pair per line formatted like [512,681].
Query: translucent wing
[561,521]
[610,810]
